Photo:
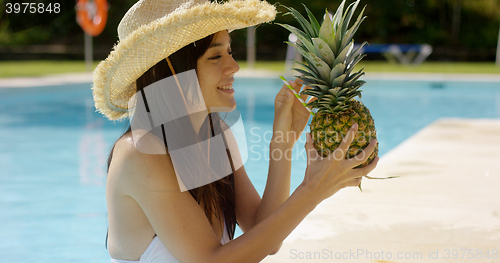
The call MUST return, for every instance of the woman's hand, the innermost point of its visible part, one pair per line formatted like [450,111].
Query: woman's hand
[327,175]
[290,116]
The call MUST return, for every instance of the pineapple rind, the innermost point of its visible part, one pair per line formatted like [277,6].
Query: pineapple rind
[330,59]
[328,130]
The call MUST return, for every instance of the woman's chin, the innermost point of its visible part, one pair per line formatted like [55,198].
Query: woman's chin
[223,108]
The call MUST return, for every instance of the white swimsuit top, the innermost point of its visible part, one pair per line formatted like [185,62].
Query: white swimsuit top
[158,253]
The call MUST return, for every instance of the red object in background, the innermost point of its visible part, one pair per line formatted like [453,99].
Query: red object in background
[92,15]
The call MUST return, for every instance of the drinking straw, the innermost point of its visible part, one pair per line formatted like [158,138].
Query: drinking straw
[296,95]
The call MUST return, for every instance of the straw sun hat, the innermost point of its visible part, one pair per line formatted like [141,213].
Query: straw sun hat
[152,30]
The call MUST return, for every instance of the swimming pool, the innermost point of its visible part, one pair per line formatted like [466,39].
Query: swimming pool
[54,146]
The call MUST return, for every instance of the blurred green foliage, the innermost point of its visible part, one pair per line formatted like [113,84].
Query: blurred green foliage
[460,25]
[452,27]
[65,29]
[9,69]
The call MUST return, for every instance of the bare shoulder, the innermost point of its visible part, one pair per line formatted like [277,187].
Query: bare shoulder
[142,165]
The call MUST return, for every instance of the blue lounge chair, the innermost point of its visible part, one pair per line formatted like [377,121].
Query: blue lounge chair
[401,53]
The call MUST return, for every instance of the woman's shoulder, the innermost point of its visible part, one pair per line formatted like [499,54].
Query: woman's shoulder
[139,161]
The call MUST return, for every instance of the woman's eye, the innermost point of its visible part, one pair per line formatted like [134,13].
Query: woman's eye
[219,56]
[215,57]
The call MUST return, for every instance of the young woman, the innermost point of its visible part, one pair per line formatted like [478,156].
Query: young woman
[151,219]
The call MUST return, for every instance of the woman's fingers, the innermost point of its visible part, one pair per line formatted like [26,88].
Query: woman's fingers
[281,97]
[304,96]
[296,84]
[364,155]
[360,172]
[341,151]
[353,182]
[282,103]
[300,83]
[312,153]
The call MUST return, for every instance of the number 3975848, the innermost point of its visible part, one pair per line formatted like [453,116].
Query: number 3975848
[32,8]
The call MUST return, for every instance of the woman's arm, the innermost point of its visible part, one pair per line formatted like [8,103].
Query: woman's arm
[184,229]
[289,122]
[290,119]
[278,180]
[250,208]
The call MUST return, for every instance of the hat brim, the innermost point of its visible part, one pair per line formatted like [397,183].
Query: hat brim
[114,78]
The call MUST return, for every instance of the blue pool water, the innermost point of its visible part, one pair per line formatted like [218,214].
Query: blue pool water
[53,149]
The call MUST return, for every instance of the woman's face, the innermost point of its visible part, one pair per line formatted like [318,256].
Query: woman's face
[215,70]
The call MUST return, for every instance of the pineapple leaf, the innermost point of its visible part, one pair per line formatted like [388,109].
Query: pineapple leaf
[326,32]
[338,14]
[302,21]
[308,82]
[323,88]
[308,69]
[310,57]
[333,98]
[359,83]
[350,33]
[313,104]
[323,50]
[305,73]
[358,58]
[337,71]
[353,55]
[322,68]
[337,26]
[337,42]
[359,93]
[349,12]
[339,81]
[329,57]
[341,58]
[304,38]
[334,91]
[356,86]
[325,104]
[313,93]
[343,91]
[312,19]
[354,78]
[316,80]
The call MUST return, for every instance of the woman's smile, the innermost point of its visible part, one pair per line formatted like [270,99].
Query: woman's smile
[215,71]
[226,88]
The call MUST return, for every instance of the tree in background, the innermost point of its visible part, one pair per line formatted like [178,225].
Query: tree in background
[66,31]
[457,29]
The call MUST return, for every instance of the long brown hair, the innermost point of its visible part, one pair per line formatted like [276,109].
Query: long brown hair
[218,198]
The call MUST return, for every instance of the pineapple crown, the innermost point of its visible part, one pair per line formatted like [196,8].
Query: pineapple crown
[329,57]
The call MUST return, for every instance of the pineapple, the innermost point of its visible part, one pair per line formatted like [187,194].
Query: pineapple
[330,58]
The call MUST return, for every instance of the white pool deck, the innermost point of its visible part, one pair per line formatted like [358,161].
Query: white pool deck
[87,77]
[444,207]
[446,200]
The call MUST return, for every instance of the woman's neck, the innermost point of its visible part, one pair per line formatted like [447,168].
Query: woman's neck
[198,119]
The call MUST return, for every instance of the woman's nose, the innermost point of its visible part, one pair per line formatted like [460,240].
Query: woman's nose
[232,66]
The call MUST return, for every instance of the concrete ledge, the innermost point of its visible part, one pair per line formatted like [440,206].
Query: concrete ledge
[49,80]
[432,76]
[389,76]
[447,198]
[61,79]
